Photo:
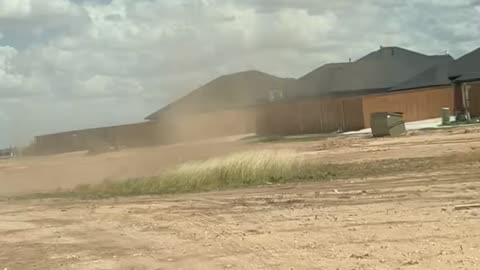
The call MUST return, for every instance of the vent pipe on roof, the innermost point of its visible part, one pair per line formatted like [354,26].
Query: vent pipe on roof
[350,60]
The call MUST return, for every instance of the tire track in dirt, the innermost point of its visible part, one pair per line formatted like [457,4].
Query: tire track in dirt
[230,240]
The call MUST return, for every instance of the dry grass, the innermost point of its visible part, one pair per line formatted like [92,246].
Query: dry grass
[256,169]
[238,170]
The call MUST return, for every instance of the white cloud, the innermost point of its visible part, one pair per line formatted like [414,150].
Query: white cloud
[10,83]
[26,9]
[7,53]
[14,9]
[104,86]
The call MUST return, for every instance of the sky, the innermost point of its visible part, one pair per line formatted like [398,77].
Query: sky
[71,64]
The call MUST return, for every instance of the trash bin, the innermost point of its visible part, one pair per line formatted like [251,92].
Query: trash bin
[445,116]
[387,124]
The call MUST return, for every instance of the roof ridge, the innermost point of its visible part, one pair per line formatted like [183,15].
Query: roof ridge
[477,50]
[384,48]
[212,84]
[324,66]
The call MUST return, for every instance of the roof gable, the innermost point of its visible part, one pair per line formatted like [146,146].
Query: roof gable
[466,66]
[235,90]
[381,69]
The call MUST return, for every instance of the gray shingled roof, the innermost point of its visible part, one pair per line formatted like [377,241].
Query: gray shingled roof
[323,77]
[377,71]
[467,67]
[468,77]
[236,90]
[434,76]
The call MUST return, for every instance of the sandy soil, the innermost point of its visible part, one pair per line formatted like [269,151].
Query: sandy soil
[43,174]
[401,222]
[47,173]
[418,144]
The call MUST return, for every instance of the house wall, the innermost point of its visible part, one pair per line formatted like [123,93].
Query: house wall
[320,115]
[418,104]
[457,98]
[140,134]
[474,95]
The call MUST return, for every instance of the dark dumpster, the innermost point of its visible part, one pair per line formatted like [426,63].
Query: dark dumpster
[387,124]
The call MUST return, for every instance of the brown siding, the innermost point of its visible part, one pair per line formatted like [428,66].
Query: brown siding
[457,98]
[310,116]
[354,115]
[415,105]
[474,95]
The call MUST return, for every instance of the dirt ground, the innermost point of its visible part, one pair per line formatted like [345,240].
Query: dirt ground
[405,221]
[44,174]
[47,173]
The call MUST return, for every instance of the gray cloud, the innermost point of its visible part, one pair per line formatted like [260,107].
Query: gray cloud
[24,22]
[75,63]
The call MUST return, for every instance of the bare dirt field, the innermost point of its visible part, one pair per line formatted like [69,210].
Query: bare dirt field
[404,221]
[42,174]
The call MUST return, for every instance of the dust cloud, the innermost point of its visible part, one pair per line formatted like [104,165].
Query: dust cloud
[64,171]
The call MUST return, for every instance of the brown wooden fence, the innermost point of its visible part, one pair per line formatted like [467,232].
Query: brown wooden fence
[131,135]
[415,105]
[320,115]
[173,128]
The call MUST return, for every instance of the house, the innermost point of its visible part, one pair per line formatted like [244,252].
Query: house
[96,139]
[7,153]
[341,96]
[454,84]
[334,97]
[465,76]
[420,97]
[225,106]
[374,73]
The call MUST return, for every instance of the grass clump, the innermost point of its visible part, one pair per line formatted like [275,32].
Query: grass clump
[255,169]
[238,170]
